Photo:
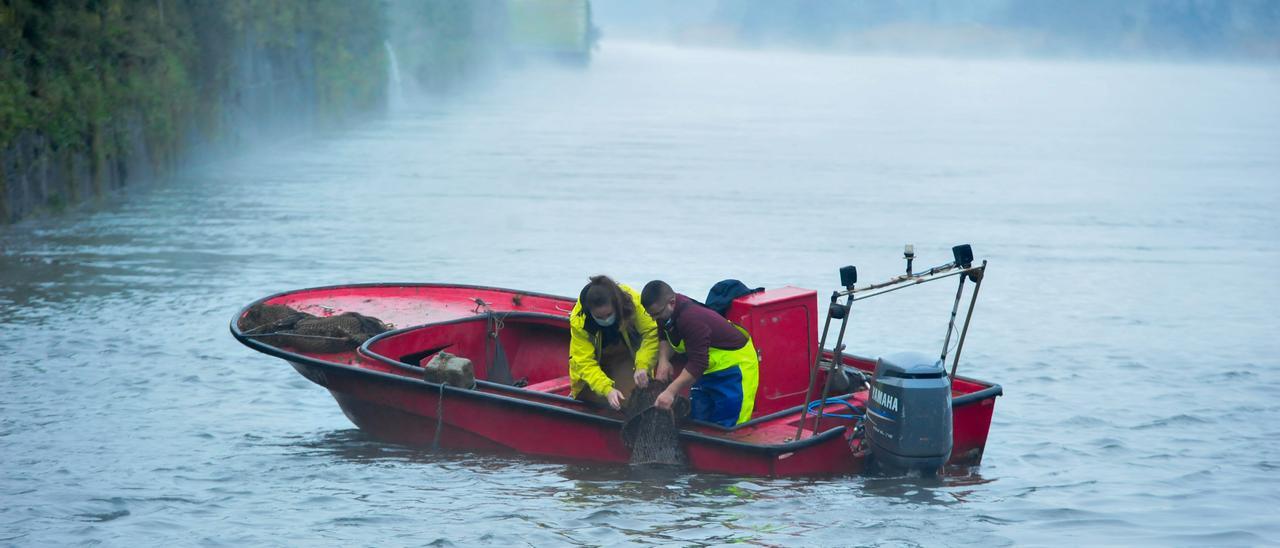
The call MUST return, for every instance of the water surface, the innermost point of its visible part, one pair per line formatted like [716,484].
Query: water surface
[1128,211]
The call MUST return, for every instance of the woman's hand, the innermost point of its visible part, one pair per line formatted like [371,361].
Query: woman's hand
[615,399]
[664,371]
[642,378]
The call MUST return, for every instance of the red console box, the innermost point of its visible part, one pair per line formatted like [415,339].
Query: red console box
[783,323]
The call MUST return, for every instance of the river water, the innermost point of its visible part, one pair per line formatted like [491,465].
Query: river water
[1129,212]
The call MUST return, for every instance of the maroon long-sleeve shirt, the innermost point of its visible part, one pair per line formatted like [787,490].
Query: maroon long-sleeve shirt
[701,329]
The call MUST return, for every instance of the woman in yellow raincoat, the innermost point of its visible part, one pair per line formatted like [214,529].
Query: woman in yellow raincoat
[613,343]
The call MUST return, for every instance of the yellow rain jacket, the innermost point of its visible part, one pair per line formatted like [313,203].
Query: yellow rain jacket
[585,348]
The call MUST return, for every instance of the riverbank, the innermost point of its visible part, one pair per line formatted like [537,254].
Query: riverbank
[97,97]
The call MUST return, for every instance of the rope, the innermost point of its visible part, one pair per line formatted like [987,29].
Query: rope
[435,442]
[857,413]
[496,323]
[497,318]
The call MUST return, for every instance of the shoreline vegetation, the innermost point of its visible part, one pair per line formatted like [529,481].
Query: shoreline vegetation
[97,94]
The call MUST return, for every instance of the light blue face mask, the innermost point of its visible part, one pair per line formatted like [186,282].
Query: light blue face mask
[607,321]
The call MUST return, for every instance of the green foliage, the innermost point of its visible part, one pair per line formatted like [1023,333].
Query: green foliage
[443,42]
[351,63]
[550,26]
[70,68]
[56,203]
[343,39]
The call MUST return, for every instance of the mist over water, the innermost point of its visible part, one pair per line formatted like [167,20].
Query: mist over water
[1127,209]
[1237,30]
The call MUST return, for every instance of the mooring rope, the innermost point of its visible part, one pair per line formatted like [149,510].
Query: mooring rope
[435,442]
[496,322]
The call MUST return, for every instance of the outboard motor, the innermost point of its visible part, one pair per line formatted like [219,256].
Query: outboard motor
[909,412]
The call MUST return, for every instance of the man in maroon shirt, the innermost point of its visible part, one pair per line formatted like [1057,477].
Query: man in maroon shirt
[720,369]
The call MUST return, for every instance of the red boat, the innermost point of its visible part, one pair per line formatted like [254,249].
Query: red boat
[380,385]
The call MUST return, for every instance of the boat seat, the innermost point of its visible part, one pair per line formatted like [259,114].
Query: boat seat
[559,385]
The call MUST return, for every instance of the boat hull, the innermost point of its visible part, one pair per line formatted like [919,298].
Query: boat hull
[411,412]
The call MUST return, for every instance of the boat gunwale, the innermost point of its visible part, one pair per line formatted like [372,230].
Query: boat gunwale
[404,284]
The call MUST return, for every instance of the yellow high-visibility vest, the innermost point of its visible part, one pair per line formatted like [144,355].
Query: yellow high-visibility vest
[748,362]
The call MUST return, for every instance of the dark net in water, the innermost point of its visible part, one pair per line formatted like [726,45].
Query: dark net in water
[652,434]
[280,325]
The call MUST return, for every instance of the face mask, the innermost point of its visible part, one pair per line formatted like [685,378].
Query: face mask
[607,321]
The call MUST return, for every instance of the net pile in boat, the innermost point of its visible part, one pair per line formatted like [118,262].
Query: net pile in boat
[280,325]
[652,434]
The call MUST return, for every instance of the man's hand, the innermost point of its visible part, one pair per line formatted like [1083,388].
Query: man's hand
[642,378]
[664,371]
[664,401]
[615,399]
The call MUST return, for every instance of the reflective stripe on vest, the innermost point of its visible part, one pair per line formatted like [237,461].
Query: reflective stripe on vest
[748,363]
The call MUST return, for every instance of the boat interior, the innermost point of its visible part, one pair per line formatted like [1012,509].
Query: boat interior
[528,358]
[523,350]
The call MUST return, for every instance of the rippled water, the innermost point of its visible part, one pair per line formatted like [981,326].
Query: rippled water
[1128,210]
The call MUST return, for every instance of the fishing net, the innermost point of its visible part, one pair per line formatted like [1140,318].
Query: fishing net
[280,325]
[652,434]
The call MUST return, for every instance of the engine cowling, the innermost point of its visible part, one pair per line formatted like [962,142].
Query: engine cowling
[909,413]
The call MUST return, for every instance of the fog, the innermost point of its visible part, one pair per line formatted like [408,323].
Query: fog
[1169,29]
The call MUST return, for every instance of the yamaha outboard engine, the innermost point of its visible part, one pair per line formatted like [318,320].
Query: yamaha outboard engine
[909,412]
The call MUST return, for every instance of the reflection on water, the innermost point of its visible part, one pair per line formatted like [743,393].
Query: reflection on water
[1115,202]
